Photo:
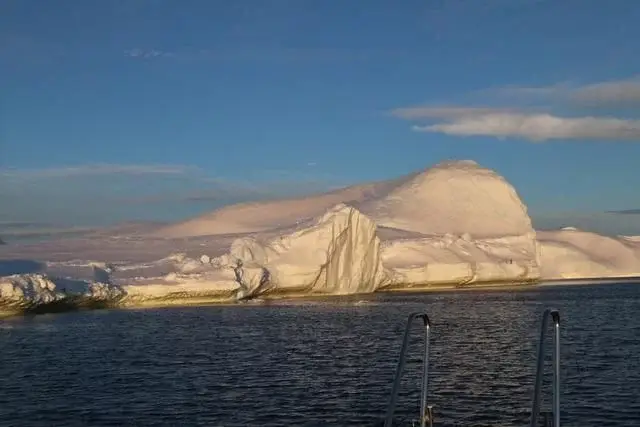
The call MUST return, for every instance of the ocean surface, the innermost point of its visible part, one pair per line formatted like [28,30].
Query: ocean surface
[322,362]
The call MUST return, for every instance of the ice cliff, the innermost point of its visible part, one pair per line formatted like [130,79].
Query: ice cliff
[337,253]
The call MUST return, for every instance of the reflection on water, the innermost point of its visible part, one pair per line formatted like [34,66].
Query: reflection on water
[321,363]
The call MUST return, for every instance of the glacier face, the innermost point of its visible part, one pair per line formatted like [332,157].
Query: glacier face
[456,223]
[337,253]
[451,259]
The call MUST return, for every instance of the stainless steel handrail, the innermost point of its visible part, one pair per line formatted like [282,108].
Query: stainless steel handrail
[535,406]
[425,411]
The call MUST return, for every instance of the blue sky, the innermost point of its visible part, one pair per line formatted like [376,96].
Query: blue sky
[160,109]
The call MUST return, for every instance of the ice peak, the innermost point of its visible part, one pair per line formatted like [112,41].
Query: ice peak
[454,197]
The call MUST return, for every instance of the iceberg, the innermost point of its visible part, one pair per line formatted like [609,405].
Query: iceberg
[455,224]
[22,291]
[39,292]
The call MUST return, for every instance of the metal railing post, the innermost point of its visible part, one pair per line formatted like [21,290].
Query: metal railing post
[535,406]
[556,369]
[400,368]
[425,373]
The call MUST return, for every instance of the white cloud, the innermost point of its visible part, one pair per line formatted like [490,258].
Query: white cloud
[465,121]
[542,122]
[97,169]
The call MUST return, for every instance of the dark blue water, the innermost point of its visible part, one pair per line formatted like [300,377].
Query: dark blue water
[321,363]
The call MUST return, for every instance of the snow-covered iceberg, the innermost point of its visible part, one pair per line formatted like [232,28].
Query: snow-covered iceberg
[337,253]
[22,291]
[39,292]
[456,224]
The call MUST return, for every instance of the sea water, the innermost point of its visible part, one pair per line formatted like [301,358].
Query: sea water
[323,362]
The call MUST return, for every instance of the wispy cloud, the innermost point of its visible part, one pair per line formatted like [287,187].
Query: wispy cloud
[514,92]
[97,169]
[627,212]
[96,194]
[466,121]
[148,53]
[541,123]
[282,54]
[613,93]
[445,112]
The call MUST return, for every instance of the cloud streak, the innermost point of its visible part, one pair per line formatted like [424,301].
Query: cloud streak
[104,194]
[444,112]
[542,123]
[282,54]
[538,127]
[627,212]
[614,93]
[97,169]
[148,53]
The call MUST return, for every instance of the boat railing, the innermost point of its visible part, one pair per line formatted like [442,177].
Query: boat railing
[535,405]
[426,411]
[426,416]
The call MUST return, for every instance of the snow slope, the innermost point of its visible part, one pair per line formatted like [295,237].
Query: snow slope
[453,197]
[270,215]
[455,223]
[573,254]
